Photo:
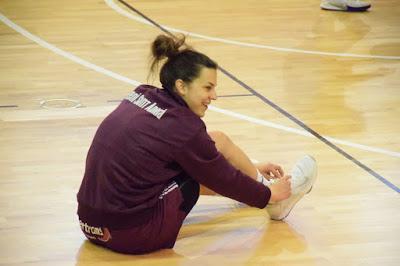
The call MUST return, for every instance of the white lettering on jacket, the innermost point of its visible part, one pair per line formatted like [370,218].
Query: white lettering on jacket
[142,102]
[91,229]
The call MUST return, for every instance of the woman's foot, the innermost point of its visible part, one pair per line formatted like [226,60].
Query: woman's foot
[345,5]
[304,174]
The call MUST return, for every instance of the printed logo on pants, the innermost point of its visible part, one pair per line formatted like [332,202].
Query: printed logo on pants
[94,232]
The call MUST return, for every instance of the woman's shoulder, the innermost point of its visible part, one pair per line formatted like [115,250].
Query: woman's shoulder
[183,118]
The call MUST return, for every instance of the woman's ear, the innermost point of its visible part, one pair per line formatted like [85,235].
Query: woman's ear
[180,87]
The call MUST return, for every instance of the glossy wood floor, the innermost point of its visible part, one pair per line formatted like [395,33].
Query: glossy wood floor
[86,51]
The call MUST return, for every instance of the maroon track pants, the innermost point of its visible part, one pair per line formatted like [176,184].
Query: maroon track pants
[160,232]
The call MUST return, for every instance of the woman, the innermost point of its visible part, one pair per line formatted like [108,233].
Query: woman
[150,154]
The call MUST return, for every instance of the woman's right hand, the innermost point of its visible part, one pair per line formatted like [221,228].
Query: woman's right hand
[280,189]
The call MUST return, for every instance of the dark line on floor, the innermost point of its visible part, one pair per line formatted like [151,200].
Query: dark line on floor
[9,106]
[219,96]
[279,109]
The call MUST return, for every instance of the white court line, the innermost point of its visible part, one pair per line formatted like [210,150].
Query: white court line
[127,14]
[301,132]
[67,55]
[109,73]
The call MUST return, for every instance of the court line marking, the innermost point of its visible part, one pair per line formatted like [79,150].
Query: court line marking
[302,132]
[9,106]
[43,103]
[65,54]
[278,108]
[116,76]
[125,13]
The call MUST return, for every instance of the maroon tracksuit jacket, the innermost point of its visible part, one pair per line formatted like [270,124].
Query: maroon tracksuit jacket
[150,138]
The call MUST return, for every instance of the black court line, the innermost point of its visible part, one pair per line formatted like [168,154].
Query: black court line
[279,109]
[9,106]
[234,95]
[219,96]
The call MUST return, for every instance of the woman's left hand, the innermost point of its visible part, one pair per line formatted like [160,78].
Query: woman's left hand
[270,170]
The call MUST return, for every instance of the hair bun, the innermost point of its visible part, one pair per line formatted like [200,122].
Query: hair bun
[166,46]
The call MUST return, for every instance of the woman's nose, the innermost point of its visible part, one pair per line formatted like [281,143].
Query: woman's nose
[213,95]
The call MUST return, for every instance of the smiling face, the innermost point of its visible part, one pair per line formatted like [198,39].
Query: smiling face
[199,93]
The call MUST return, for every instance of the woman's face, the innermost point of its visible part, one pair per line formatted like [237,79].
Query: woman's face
[200,92]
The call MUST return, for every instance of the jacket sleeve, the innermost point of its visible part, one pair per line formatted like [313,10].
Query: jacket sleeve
[201,160]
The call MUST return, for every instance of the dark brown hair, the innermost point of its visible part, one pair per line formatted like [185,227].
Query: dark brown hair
[182,61]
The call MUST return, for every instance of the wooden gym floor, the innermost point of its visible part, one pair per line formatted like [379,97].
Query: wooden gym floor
[65,64]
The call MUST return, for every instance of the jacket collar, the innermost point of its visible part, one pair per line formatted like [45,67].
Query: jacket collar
[176,97]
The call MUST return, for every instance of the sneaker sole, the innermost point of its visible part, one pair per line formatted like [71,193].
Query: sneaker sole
[294,204]
[300,196]
[326,6]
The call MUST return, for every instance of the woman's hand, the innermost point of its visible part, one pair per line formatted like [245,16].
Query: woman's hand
[270,170]
[280,189]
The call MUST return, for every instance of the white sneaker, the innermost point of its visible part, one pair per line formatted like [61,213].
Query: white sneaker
[303,175]
[345,5]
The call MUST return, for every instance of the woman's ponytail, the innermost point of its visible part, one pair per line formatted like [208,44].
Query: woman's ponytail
[164,47]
